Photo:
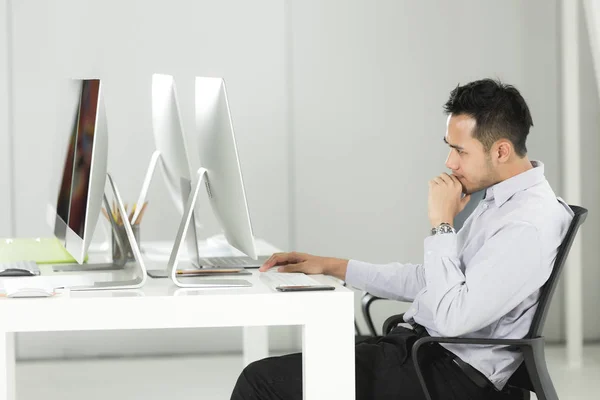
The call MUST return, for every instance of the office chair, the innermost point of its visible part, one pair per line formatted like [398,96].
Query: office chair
[532,375]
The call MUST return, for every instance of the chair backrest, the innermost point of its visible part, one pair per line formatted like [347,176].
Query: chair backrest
[548,289]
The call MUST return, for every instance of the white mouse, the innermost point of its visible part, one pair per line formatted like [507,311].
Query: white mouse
[19,292]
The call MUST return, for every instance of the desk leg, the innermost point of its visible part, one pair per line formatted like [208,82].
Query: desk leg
[256,343]
[328,357]
[7,366]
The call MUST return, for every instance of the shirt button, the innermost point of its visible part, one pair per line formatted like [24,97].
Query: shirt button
[485,206]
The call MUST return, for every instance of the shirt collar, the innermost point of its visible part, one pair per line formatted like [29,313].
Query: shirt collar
[502,191]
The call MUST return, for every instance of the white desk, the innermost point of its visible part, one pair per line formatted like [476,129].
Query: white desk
[327,319]
[255,338]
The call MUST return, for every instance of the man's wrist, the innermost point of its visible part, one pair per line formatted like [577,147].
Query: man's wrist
[438,222]
[336,267]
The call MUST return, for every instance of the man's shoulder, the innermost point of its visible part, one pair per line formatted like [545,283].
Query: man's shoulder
[538,208]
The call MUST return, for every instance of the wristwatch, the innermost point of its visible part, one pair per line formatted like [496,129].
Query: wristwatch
[443,228]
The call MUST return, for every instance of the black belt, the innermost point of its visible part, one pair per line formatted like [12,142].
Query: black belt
[471,372]
[478,378]
[419,329]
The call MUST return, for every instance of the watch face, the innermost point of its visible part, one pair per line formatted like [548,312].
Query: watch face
[444,228]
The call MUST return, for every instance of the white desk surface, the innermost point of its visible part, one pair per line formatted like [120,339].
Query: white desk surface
[161,304]
[327,318]
[155,254]
[261,294]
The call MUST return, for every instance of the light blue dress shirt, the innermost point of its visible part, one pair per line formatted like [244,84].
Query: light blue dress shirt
[484,281]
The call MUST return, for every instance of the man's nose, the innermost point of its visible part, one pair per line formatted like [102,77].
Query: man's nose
[451,161]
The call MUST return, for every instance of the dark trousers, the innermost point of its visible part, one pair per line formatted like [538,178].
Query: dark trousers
[384,370]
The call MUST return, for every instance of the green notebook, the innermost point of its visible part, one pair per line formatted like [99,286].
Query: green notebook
[41,250]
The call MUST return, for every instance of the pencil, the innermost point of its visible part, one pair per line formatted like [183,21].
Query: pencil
[105,214]
[141,214]
[131,214]
[114,210]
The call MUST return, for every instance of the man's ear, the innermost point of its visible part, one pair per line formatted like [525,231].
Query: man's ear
[502,151]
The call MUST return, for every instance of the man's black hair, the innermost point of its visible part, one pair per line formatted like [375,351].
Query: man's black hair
[499,111]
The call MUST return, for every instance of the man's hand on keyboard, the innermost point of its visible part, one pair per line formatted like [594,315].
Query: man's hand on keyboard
[307,263]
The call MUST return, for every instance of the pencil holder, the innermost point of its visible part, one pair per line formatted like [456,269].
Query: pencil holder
[116,251]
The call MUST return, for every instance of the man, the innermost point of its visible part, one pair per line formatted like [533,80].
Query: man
[483,281]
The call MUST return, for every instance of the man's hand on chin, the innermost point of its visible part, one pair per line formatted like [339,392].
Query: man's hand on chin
[445,201]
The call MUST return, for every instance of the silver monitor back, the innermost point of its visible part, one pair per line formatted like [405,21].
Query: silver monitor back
[218,154]
[84,174]
[170,141]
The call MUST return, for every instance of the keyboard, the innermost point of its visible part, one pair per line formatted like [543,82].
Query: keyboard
[233,261]
[289,279]
[19,268]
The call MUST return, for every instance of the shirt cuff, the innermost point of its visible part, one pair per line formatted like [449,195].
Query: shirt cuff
[441,245]
[357,274]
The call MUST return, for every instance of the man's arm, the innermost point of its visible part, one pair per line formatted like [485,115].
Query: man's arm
[394,281]
[503,273]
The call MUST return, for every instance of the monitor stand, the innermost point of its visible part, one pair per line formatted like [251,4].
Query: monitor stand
[201,178]
[118,264]
[191,240]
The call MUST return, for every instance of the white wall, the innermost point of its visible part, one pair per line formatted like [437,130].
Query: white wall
[370,79]
[337,108]
[5,123]
[592,23]
[590,148]
[124,42]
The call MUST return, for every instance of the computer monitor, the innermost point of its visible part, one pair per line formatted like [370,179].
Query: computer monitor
[221,174]
[169,138]
[170,142]
[219,156]
[82,194]
[217,153]
[84,175]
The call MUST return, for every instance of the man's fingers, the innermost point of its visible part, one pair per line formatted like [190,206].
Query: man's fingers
[281,259]
[451,180]
[272,261]
[446,178]
[438,180]
[292,267]
[456,180]
[464,201]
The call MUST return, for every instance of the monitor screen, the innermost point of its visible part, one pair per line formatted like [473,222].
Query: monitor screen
[82,158]
[64,193]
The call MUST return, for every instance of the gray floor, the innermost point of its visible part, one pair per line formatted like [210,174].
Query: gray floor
[213,378]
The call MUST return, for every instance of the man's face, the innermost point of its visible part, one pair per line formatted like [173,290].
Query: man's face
[468,160]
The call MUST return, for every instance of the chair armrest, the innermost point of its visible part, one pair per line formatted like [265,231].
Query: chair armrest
[366,302]
[391,323]
[517,343]
[434,339]
[499,342]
